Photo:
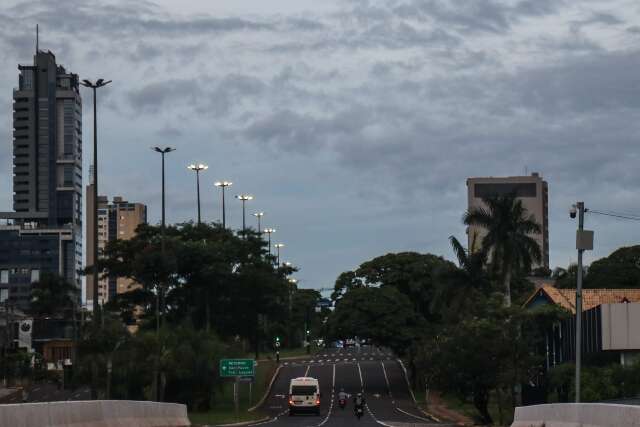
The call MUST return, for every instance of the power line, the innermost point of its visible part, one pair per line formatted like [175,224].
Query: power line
[616,215]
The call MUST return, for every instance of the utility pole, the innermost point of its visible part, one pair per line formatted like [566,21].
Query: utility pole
[584,241]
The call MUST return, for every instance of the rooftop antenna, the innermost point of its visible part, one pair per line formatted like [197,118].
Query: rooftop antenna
[37,39]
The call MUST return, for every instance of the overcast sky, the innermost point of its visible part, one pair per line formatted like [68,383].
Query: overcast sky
[353,123]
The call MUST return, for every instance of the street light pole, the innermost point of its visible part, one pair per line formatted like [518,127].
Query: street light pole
[244,198]
[269,231]
[162,151]
[223,185]
[197,168]
[94,86]
[259,215]
[278,246]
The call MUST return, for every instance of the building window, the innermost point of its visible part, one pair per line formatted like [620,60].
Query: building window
[35,275]
[4,277]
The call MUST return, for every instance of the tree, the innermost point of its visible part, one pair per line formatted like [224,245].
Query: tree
[413,274]
[566,278]
[508,238]
[384,315]
[621,269]
[459,290]
[53,296]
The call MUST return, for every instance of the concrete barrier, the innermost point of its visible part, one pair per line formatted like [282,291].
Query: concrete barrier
[577,415]
[94,413]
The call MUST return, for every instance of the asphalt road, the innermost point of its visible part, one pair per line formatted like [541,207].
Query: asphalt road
[372,371]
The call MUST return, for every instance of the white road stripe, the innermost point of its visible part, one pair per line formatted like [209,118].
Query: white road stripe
[307,371]
[414,416]
[386,379]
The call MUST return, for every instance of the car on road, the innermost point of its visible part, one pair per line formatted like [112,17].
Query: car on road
[304,395]
[349,342]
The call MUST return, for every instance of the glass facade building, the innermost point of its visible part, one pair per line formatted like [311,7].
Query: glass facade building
[43,233]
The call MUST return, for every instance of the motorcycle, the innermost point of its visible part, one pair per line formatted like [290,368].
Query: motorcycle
[342,403]
[359,412]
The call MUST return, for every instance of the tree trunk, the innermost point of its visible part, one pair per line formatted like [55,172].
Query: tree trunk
[208,311]
[481,402]
[163,385]
[507,285]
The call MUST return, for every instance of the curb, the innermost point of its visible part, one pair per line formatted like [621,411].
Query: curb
[267,392]
[406,377]
[244,423]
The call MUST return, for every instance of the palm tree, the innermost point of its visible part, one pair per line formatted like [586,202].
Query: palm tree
[508,238]
[456,286]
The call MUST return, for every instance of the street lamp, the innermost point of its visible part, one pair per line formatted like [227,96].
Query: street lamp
[278,246]
[197,168]
[99,83]
[259,215]
[269,231]
[244,198]
[223,185]
[162,151]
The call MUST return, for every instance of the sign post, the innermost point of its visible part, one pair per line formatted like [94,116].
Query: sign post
[236,369]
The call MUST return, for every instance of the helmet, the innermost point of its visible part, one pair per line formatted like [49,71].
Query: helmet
[359,394]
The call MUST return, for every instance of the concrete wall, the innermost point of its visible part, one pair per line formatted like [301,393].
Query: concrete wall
[94,413]
[577,415]
[620,323]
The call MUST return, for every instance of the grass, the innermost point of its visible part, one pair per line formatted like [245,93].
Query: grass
[223,412]
[467,408]
[289,352]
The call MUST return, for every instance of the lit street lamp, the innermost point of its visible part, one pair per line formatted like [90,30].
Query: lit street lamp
[278,246]
[269,231]
[244,198]
[223,185]
[197,168]
[259,215]
[99,83]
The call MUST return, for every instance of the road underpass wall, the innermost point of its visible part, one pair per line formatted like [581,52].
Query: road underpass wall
[94,413]
[577,415]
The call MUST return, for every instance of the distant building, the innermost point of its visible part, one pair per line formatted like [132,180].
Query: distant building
[116,220]
[532,190]
[44,231]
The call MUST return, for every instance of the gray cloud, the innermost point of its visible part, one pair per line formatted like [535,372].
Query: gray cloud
[370,115]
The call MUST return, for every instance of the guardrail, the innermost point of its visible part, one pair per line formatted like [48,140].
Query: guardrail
[94,413]
[577,415]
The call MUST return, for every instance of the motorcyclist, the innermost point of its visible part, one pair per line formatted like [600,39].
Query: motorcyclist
[358,402]
[342,395]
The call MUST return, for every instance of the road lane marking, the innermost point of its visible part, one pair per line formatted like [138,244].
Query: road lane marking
[361,381]
[306,373]
[414,416]
[333,389]
[386,379]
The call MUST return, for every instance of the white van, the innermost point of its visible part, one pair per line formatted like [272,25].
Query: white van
[304,395]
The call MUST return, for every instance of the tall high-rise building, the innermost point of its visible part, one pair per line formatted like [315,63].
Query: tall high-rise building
[116,220]
[532,190]
[44,232]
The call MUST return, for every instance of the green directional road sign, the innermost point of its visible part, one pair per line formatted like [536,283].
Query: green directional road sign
[237,368]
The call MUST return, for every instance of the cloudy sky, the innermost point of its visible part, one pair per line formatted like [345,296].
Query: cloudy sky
[354,123]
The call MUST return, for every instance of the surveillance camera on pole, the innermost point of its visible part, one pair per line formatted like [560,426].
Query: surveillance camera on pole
[584,242]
